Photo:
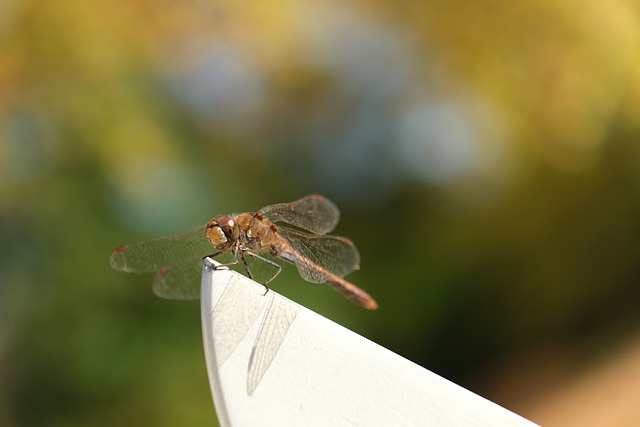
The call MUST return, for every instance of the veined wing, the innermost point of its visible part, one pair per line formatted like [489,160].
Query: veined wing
[314,213]
[164,252]
[312,272]
[180,282]
[337,255]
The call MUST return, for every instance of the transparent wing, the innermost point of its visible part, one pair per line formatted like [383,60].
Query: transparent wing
[314,213]
[335,254]
[313,273]
[179,282]
[153,255]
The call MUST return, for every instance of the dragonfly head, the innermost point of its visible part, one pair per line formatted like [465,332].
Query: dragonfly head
[222,231]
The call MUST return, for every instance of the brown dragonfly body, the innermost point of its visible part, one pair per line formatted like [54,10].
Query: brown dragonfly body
[276,230]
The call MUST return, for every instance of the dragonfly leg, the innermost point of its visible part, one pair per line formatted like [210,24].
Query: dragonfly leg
[208,260]
[246,266]
[228,264]
[277,266]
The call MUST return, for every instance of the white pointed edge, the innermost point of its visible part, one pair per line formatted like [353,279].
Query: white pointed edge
[317,372]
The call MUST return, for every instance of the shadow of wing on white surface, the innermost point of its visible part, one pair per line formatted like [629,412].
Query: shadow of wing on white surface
[276,322]
[232,318]
[236,311]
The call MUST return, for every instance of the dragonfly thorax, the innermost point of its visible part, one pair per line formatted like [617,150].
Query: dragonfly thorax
[244,231]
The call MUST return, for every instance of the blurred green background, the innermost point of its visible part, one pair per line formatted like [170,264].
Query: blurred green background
[484,155]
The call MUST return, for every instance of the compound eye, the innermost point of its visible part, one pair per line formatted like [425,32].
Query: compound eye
[227,222]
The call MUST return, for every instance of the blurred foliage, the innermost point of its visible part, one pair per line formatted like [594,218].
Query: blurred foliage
[485,156]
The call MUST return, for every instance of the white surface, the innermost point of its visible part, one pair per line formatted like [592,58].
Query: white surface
[309,371]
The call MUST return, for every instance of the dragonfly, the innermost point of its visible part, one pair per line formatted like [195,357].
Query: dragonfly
[295,232]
